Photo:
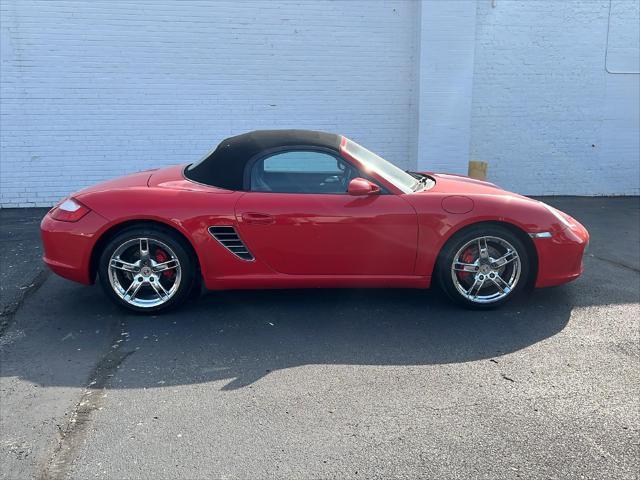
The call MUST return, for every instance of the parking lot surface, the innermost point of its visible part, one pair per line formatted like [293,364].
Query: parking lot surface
[327,383]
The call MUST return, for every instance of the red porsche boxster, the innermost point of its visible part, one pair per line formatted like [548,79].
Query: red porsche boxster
[305,209]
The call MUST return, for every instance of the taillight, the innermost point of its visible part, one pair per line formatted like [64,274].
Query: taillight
[70,210]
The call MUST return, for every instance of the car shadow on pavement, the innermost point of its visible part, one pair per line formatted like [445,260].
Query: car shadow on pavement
[66,332]
[242,336]
[238,337]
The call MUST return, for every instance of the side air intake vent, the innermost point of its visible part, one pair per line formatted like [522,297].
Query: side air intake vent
[229,238]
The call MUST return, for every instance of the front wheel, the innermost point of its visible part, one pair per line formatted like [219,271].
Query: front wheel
[146,269]
[483,267]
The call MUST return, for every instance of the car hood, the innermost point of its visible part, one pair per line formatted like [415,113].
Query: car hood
[453,184]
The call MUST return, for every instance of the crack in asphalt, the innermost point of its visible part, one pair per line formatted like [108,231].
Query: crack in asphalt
[9,312]
[92,399]
[616,263]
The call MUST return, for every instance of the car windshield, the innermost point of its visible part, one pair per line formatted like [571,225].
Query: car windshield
[387,170]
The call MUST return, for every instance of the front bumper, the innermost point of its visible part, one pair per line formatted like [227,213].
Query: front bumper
[68,245]
[560,256]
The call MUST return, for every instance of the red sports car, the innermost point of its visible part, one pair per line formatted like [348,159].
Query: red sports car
[305,209]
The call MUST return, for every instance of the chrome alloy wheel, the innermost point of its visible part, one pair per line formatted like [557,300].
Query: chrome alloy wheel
[486,269]
[144,272]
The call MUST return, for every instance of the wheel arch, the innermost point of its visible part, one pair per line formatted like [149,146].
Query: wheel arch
[116,228]
[522,235]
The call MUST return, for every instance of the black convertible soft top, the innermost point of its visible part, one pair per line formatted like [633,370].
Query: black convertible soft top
[225,166]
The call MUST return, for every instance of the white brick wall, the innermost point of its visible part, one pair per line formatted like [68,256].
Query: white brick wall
[447,47]
[546,114]
[94,89]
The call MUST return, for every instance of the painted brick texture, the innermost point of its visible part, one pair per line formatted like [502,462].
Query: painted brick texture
[447,46]
[546,114]
[94,89]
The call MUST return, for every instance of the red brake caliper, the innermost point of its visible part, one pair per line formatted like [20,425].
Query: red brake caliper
[161,257]
[467,257]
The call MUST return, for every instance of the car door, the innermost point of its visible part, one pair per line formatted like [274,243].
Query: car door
[300,220]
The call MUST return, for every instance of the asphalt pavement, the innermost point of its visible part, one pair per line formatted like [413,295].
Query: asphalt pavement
[21,268]
[325,383]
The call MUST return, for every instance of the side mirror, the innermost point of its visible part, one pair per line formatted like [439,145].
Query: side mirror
[360,186]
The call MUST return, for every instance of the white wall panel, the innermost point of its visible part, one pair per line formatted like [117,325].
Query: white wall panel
[95,89]
[547,115]
[542,90]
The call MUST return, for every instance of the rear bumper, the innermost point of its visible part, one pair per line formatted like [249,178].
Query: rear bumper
[560,256]
[68,245]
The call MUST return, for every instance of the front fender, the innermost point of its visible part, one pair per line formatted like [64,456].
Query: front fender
[437,226]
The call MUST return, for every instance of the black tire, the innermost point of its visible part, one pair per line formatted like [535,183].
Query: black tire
[445,275]
[156,236]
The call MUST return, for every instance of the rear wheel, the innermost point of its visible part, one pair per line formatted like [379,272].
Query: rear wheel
[146,269]
[483,267]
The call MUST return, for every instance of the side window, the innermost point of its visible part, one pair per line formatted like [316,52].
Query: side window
[301,171]
[301,162]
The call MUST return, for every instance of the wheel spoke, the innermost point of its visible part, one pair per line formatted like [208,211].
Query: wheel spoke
[482,248]
[465,267]
[135,275]
[486,269]
[475,288]
[122,265]
[132,291]
[144,248]
[508,257]
[168,265]
[501,284]
[160,290]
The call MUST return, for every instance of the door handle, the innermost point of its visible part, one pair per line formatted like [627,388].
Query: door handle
[258,218]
